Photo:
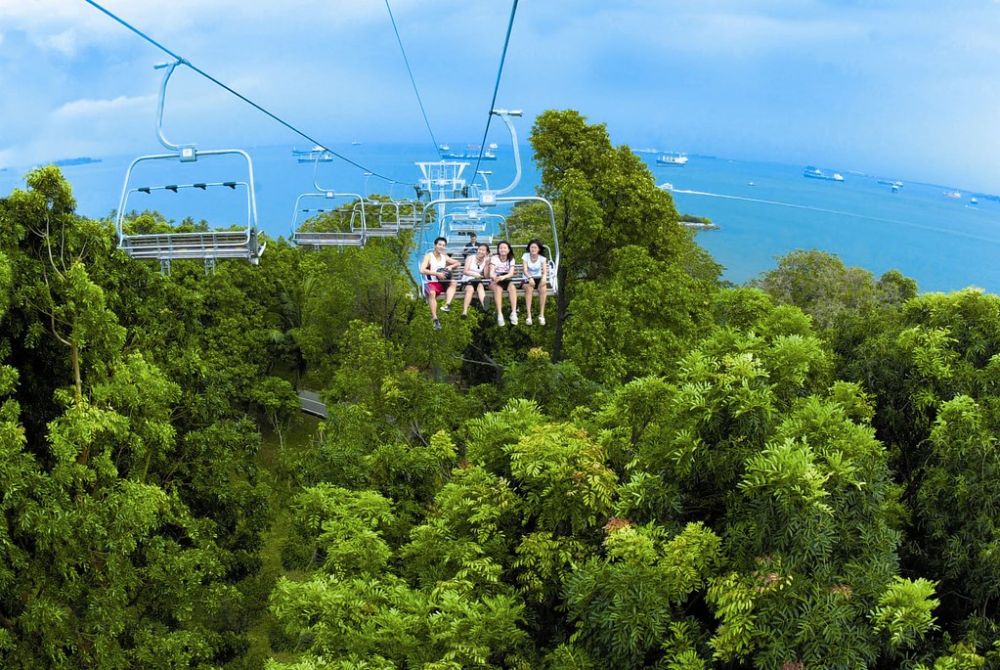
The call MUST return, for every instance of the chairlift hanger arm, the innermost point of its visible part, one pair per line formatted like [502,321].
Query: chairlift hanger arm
[506,115]
[485,174]
[170,67]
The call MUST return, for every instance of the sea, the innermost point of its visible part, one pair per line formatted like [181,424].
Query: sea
[763,209]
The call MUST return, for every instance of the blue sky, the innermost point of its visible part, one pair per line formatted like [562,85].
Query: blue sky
[905,88]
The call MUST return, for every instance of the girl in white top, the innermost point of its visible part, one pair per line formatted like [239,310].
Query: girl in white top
[501,272]
[536,277]
[473,275]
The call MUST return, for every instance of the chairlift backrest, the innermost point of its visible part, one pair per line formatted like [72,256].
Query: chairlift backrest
[350,210]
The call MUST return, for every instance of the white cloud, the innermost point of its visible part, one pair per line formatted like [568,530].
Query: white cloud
[86,126]
[64,42]
[53,24]
[83,109]
[68,25]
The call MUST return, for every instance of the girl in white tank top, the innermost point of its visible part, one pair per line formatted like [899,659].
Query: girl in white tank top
[536,269]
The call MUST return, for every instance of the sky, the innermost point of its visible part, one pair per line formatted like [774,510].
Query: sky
[900,88]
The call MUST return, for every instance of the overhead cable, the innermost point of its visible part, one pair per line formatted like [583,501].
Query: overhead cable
[437,147]
[496,87]
[239,95]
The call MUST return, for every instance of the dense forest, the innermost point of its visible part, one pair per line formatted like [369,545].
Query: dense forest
[674,473]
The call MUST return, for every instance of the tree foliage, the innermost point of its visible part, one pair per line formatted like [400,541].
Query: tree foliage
[800,473]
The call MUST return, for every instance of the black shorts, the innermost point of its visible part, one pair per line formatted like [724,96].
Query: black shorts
[472,282]
[504,283]
[534,282]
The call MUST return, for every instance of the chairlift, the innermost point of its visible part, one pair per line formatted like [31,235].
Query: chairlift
[387,212]
[399,214]
[208,246]
[407,214]
[485,174]
[473,218]
[352,228]
[481,199]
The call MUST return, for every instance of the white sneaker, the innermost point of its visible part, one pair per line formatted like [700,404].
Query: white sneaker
[500,321]
[541,320]
[527,321]
[513,318]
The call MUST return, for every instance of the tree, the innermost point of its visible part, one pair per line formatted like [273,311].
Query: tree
[131,510]
[558,388]
[55,248]
[636,321]
[823,287]
[605,199]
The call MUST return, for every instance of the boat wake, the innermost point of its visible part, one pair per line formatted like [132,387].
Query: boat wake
[824,210]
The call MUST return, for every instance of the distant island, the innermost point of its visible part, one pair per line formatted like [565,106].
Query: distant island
[697,222]
[81,160]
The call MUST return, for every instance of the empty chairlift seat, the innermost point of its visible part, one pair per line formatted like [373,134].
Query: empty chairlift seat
[209,245]
[331,225]
[384,216]
[397,215]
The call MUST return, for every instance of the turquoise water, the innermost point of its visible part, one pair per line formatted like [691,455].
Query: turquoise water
[943,243]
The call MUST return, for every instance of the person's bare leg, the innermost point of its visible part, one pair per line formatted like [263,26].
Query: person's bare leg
[433,303]
[482,294]
[498,298]
[528,293]
[468,299]
[543,292]
[512,292]
[450,295]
